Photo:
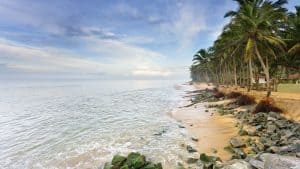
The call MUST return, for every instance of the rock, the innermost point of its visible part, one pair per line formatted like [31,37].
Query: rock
[271,119]
[135,160]
[107,166]
[207,159]
[161,132]
[213,150]
[280,123]
[273,161]
[251,131]
[242,132]
[180,166]
[295,148]
[190,149]
[239,153]
[207,162]
[195,139]
[191,160]
[237,164]
[181,126]
[271,128]
[256,163]
[152,166]
[118,161]
[237,143]
[124,167]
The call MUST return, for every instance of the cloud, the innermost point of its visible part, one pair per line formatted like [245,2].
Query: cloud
[110,57]
[33,59]
[187,23]
[150,72]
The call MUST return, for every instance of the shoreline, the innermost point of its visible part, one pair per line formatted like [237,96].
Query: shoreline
[211,130]
[214,126]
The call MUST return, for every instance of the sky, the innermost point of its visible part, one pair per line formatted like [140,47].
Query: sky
[107,39]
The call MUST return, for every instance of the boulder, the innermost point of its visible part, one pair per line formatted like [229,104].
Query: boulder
[256,163]
[124,167]
[208,162]
[237,143]
[118,161]
[195,139]
[150,165]
[107,166]
[135,160]
[271,128]
[190,149]
[237,164]
[273,161]
[191,160]
[239,153]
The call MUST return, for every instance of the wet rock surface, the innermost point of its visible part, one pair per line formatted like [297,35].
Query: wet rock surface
[132,161]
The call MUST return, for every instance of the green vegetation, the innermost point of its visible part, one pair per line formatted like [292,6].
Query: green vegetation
[261,41]
[290,88]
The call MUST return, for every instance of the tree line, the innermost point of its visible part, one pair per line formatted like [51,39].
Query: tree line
[262,38]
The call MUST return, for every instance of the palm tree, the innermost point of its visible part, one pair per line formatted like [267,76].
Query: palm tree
[259,20]
[201,61]
[293,32]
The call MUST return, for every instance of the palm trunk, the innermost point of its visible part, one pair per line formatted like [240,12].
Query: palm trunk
[250,75]
[234,69]
[266,70]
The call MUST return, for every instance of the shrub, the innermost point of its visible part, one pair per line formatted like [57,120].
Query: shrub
[219,94]
[243,100]
[233,95]
[266,105]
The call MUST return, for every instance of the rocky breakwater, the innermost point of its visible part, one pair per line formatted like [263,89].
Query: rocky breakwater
[266,140]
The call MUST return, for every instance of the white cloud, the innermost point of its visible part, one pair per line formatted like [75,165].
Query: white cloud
[188,22]
[146,71]
[33,59]
[112,57]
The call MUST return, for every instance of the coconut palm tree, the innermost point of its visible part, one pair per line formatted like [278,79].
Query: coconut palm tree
[258,21]
[293,32]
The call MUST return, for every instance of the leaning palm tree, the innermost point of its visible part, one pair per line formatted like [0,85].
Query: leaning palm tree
[293,32]
[259,20]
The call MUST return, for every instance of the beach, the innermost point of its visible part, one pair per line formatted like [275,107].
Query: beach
[212,130]
[222,129]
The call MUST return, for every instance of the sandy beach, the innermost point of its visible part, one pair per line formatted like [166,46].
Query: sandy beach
[212,130]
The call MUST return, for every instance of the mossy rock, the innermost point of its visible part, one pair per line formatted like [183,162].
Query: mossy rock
[124,167]
[118,161]
[208,159]
[150,165]
[135,160]
[107,166]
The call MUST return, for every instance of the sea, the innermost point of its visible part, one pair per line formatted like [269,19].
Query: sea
[83,123]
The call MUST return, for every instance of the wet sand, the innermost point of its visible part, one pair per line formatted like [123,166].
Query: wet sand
[212,130]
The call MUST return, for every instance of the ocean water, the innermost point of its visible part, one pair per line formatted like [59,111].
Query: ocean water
[82,124]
